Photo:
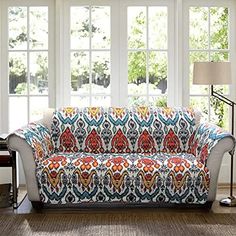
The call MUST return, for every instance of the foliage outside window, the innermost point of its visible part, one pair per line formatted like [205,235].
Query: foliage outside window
[208,41]
[90,40]
[147,55]
[28,63]
[90,55]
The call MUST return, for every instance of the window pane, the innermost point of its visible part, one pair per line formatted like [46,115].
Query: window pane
[201,104]
[137,73]
[158,72]
[17,108]
[101,72]
[80,72]
[219,112]
[137,27]
[37,106]
[79,101]
[219,27]
[195,57]
[157,23]
[160,101]
[17,73]
[135,89]
[100,27]
[79,17]
[38,27]
[104,101]
[38,73]
[198,28]
[137,100]
[17,27]
[220,56]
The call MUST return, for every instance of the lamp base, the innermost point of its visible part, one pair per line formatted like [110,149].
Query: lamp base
[229,201]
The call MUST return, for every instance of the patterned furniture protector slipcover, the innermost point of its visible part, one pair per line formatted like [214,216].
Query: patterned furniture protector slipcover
[136,155]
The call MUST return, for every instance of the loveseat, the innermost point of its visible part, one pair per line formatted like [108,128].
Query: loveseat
[141,155]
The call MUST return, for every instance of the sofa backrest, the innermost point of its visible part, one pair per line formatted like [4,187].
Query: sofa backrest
[123,130]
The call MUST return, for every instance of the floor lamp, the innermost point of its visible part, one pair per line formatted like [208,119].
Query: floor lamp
[217,73]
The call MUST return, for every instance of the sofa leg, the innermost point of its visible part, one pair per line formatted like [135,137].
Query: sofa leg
[37,205]
[208,205]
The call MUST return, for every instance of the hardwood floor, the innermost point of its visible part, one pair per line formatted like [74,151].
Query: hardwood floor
[26,207]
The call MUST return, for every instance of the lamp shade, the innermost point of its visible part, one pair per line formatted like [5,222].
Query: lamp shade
[212,73]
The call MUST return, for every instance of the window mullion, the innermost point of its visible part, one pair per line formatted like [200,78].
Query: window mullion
[90,55]
[123,56]
[4,126]
[62,53]
[172,84]
[51,56]
[28,66]
[147,53]
[209,58]
[114,53]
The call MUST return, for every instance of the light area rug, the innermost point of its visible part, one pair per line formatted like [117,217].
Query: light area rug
[131,224]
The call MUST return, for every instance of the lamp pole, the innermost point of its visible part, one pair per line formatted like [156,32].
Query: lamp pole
[230,201]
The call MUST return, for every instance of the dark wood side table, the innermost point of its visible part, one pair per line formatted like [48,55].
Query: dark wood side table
[8,159]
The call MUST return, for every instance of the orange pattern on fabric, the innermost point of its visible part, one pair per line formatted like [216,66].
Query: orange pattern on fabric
[148,171]
[54,177]
[171,142]
[93,142]
[38,149]
[118,112]
[146,143]
[69,111]
[48,143]
[120,143]
[143,112]
[94,112]
[117,171]
[168,111]
[68,141]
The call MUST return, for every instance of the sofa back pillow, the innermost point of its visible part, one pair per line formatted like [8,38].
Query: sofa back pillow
[123,130]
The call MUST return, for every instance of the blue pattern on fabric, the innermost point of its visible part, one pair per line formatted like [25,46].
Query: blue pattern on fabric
[141,154]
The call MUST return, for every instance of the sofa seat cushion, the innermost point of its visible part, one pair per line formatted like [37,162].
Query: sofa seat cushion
[85,177]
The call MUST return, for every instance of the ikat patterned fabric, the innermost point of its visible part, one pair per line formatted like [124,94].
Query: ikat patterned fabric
[206,137]
[122,130]
[141,154]
[138,178]
[39,138]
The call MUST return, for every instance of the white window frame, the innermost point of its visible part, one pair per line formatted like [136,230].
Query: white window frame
[4,54]
[114,93]
[124,47]
[231,4]
[119,56]
[59,57]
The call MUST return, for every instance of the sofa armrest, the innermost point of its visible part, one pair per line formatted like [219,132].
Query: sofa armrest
[25,151]
[39,139]
[214,163]
[206,138]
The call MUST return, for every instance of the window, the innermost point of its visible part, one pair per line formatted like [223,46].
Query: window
[90,47]
[147,54]
[119,53]
[208,39]
[110,52]
[28,63]
[27,53]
